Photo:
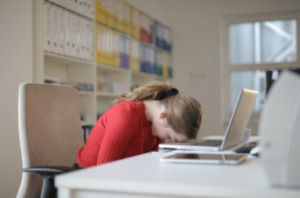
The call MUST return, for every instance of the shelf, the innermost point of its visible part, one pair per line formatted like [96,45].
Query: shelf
[73,70]
[148,76]
[112,68]
[67,9]
[161,78]
[65,60]
[134,73]
[86,93]
[143,74]
[113,95]
[84,123]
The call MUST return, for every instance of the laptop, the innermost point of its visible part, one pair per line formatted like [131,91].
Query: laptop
[234,132]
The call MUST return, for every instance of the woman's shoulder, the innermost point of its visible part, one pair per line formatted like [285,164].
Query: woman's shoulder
[128,106]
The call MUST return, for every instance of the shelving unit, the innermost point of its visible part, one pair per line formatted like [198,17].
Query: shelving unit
[72,70]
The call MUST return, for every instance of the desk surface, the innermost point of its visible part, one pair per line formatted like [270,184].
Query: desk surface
[146,176]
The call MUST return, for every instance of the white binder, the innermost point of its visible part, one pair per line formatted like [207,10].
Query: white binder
[90,40]
[86,39]
[76,36]
[83,38]
[90,9]
[72,5]
[48,28]
[55,29]
[109,46]
[61,31]
[62,3]
[81,7]
[68,34]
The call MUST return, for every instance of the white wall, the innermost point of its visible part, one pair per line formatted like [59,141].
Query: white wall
[196,34]
[15,67]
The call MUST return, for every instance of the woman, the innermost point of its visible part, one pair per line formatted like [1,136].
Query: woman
[138,121]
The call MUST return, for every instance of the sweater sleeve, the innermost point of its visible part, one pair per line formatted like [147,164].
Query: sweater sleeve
[119,132]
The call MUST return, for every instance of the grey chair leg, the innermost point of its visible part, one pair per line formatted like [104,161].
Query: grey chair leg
[48,189]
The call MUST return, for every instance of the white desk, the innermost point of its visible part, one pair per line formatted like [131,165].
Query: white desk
[146,176]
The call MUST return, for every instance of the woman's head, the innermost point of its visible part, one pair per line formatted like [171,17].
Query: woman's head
[183,112]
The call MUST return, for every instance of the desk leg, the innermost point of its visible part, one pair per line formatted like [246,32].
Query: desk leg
[64,193]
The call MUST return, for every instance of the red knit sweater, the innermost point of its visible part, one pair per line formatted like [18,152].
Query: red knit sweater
[123,131]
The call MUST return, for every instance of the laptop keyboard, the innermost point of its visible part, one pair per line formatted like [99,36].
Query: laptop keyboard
[209,143]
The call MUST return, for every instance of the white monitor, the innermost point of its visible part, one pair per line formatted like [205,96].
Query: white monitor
[279,129]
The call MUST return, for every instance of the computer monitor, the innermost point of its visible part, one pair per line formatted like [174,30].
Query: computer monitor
[273,75]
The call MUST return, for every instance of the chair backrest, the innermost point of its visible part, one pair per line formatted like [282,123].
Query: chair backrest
[49,130]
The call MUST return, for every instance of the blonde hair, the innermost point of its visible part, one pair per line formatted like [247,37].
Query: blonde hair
[184,113]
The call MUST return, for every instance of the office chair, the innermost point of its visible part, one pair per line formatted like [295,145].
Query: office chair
[50,136]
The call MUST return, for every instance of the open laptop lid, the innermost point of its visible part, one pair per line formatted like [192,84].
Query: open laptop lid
[235,129]
[239,118]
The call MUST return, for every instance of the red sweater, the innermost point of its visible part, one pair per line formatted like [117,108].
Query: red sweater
[123,131]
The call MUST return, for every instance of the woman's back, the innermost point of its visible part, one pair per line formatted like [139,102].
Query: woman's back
[123,131]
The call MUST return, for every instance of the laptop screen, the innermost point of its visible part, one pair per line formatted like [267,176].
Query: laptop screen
[239,118]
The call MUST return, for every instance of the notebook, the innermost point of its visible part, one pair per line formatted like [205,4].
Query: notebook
[234,132]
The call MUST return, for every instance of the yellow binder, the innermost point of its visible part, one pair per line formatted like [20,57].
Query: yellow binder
[165,64]
[98,43]
[126,18]
[134,55]
[116,49]
[134,22]
[110,15]
[100,11]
